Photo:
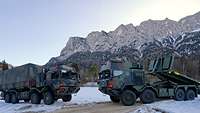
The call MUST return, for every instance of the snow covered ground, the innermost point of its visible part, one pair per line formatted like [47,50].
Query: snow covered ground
[171,106]
[91,95]
[84,96]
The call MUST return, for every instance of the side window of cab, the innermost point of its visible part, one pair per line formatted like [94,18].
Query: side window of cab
[117,72]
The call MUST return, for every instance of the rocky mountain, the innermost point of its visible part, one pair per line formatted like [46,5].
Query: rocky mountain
[186,44]
[74,44]
[128,38]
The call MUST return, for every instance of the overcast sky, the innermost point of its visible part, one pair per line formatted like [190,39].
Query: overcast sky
[36,30]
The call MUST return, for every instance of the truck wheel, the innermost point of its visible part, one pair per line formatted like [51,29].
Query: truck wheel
[35,98]
[7,98]
[180,95]
[147,96]
[190,95]
[115,99]
[128,98]
[14,99]
[48,98]
[67,98]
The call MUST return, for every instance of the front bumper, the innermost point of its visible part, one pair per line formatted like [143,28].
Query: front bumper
[62,91]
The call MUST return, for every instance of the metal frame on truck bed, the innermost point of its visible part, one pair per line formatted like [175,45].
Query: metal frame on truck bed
[126,82]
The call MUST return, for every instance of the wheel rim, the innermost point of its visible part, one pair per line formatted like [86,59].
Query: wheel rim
[48,99]
[14,98]
[148,96]
[7,98]
[128,98]
[190,95]
[35,98]
[180,95]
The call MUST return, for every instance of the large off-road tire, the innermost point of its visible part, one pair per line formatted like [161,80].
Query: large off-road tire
[190,95]
[115,99]
[128,98]
[7,98]
[67,98]
[35,98]
[14,98]
[180,95]
[147,96]
[48,98]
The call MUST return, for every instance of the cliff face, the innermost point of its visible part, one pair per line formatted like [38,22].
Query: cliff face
[75,44]
[128,36]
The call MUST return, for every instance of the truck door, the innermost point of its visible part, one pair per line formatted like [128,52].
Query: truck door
[137,77]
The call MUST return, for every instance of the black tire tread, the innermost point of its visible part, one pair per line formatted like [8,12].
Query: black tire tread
[128,102]
[180,95]
[48,95]
[35,98]
[148,96]
[67,98]
[190,94]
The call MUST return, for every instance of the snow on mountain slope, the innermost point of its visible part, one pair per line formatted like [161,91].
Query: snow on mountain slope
[126,35]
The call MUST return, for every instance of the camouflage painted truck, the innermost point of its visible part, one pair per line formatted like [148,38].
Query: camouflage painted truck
[33,83]
[126,82]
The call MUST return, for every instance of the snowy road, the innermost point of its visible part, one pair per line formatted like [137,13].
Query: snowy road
[84,96]
[105,107]
[171,106]
[90,100]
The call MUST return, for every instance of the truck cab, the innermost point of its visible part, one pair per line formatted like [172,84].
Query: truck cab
[62,81]
[116,76]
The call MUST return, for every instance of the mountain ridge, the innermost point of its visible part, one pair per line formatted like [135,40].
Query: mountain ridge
[129,35]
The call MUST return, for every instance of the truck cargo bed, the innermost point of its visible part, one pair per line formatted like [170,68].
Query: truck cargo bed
[177,78]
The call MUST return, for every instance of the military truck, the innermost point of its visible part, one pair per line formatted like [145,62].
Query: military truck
[33,83]
[125,82]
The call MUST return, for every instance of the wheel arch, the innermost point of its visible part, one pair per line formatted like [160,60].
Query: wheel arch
[150,88]
[180,87]
[34,90]
[11,92]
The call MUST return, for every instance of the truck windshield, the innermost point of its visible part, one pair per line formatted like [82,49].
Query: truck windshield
[104,74]
[55,75]
[117,66]
[68,75]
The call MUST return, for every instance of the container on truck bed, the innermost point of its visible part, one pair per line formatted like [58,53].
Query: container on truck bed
[125,82]
[31,82]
